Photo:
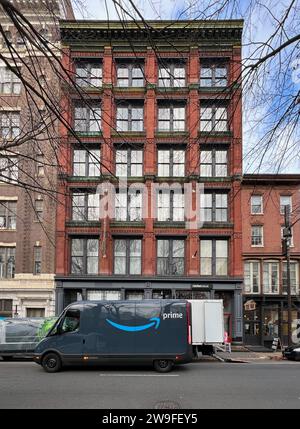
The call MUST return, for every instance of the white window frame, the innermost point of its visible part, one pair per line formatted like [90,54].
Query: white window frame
[251,262]
[270,261]
[262,235]
[261,204]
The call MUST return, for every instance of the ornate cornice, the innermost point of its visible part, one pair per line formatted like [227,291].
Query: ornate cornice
[186,32]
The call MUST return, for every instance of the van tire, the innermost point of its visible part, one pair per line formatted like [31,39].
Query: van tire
[7,358]
[163,365]
[51,362]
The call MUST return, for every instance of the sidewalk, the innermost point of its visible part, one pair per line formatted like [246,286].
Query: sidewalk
[244,356]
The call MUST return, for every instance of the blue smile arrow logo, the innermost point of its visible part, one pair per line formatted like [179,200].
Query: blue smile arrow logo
[155,321]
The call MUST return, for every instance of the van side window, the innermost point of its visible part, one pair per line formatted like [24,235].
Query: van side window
[71,321]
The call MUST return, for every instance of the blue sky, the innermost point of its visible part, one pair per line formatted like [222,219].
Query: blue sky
[260,23]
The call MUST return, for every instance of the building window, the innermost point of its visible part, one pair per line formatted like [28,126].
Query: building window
[257,236]
[37,260]
[129,163]
[294,276]
[8,169]
[40,165]
[128,256]
[171,163]
[256,204]
[213,118]
[87,120]
[128,205]
[214,257]
[213,74]
[103,295]
[214,207]
[171,118]
[89,75]
[130,75]
[171,75]
[136,295]
[38,208]
[252,276]
[84,256]
[285,201]
[271,277]
[86,163]
[130,118]
[8,214]
[9,82]
[170,257]
[35,312]
[20,41]
[10,125]
[7,262]
[7,38]
[213,163]
[170,206]
[85,207]
[6,307]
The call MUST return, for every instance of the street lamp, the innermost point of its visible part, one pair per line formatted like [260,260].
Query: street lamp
[286,241]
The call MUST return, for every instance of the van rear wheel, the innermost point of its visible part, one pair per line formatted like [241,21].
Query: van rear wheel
[163,365]
[7,358]
[51,362]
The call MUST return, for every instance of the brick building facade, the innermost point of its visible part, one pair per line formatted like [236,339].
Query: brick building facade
[27,224]
[265,289]
[156,106]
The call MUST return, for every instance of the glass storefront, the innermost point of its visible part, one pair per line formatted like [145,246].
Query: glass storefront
[267,321]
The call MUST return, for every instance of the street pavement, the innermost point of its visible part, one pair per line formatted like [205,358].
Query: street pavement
[207,384]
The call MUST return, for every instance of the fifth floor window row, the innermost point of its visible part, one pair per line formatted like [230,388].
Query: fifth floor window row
[170,74]
[171,162]
[130,118]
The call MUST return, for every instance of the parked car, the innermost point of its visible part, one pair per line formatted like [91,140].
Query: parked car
[19,336]
[292,352]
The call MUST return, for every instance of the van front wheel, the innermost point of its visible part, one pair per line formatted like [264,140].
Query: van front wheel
[163,365]
[51,362]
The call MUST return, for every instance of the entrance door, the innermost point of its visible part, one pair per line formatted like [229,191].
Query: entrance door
[252,327]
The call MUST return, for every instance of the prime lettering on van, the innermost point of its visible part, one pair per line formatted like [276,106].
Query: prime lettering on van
[172,316]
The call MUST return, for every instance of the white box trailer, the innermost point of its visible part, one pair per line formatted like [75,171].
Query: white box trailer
[207,324]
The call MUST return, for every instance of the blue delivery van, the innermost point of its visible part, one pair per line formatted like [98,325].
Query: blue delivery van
[156,332]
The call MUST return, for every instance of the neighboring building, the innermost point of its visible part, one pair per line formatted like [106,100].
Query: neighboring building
[169,114]
[265,299]
[27,224]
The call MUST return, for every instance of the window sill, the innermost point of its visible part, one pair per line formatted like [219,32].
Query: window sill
[128,133]
[8,230]
[215,133]
[172,89]
[214,179]
[127,224]
[169,224]
[88,134]
[84,179]
[83,224]
[214,225]
[172,133]
[120,89]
